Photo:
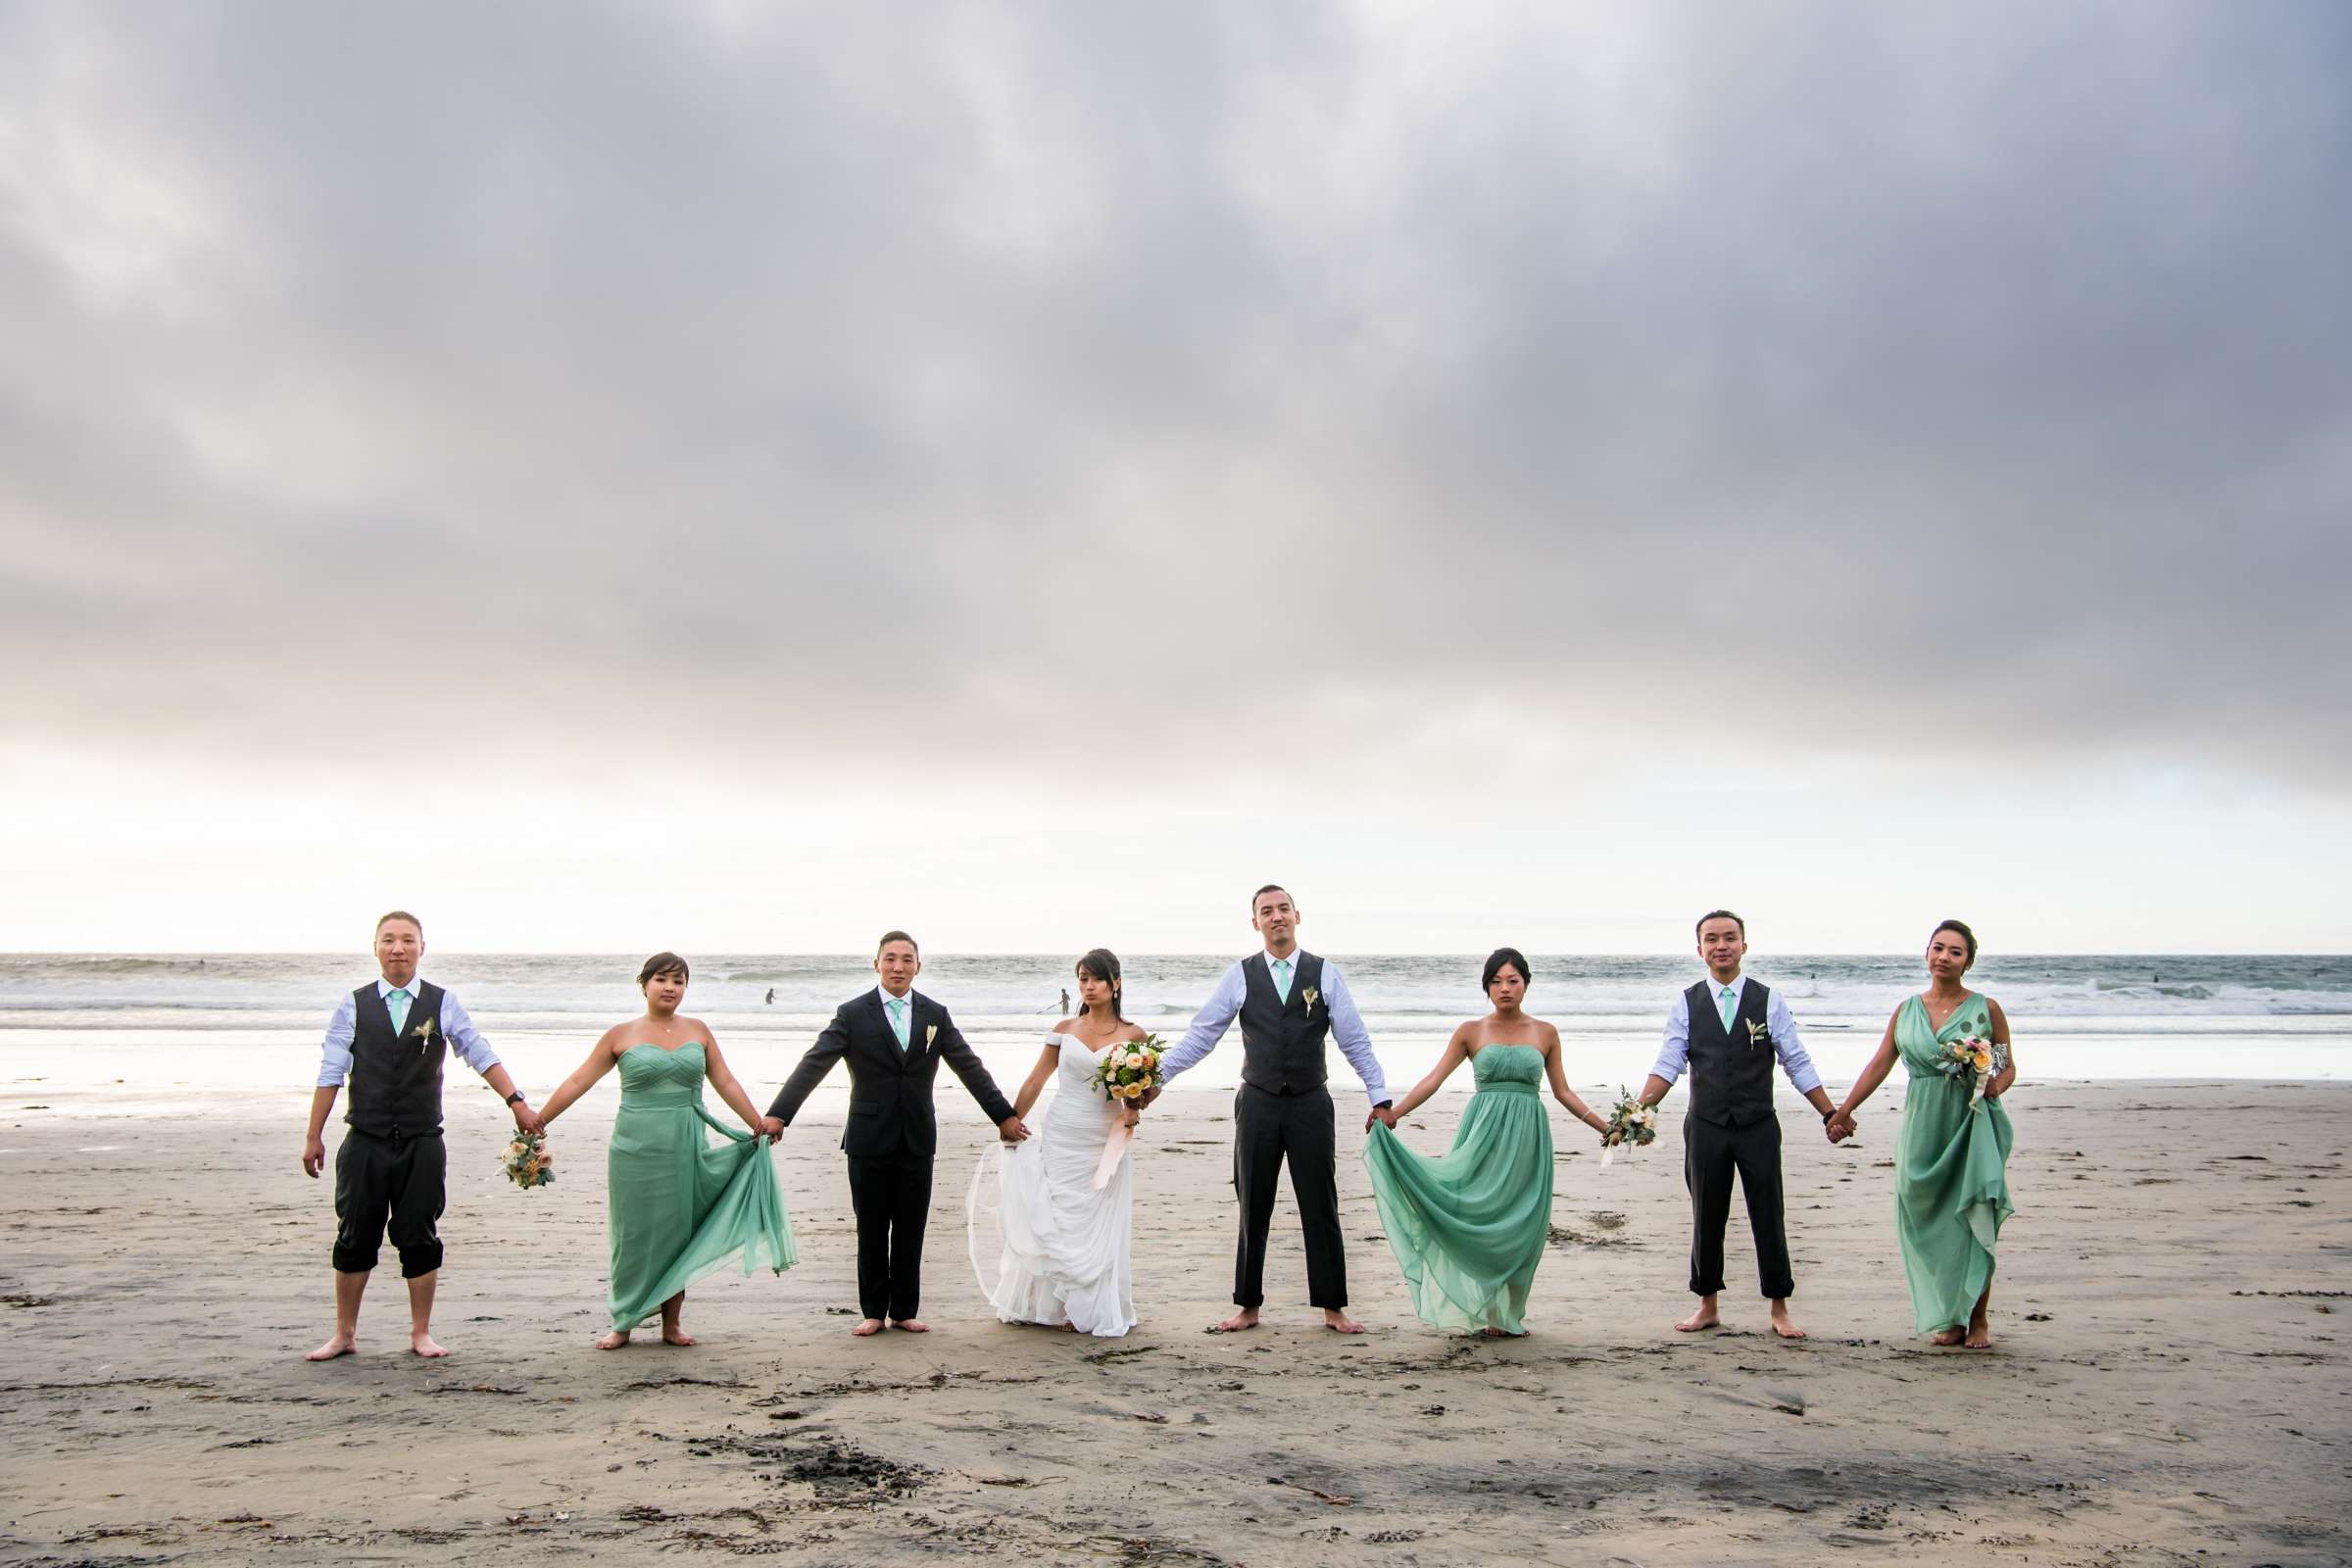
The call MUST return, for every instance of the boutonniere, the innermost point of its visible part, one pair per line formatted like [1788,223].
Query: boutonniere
[1758,1034]
[425,1037]
[930,1034]
[1311,993]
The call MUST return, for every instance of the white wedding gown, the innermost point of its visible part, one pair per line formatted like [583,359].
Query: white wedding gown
[1062,1256]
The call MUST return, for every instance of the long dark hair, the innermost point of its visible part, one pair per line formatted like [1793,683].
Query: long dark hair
[1101,964]
[664,963]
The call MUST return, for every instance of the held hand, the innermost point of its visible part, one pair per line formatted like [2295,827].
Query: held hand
[314,1158]
[529,1119]
[772,1128]
[1149,1094]
[1131,1117]
[1012,1129]
[1839,1127]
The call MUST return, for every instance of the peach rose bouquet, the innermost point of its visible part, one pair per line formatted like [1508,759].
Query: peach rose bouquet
[1128,1072]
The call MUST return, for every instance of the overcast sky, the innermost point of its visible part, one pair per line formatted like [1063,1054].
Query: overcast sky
[735,476]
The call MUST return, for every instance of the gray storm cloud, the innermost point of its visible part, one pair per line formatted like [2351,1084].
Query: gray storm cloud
[1904,371]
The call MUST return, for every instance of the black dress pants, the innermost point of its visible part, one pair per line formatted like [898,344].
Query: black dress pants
[1711,1154]
[397,1185]
[1267,1128]
[892,1196]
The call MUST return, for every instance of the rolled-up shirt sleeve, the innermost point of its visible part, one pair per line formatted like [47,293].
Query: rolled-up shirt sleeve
[1674,1055]
[335,1054]
[1209,1026]
[463,1038]
[1789,1048]
[1347,1028]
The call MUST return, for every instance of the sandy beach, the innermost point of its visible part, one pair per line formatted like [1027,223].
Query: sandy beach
[2167,1387]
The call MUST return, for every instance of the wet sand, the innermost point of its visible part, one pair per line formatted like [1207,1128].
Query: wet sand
[2168,1385]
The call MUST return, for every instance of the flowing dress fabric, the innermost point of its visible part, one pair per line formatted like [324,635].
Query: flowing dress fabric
[1469,1226]
[1065,1252]
[679,1206]
[1951,1188]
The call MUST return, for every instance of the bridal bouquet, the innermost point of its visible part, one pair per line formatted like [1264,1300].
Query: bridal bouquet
[1130,1071]
[1973,1061]
[1630,1122]
[527,1161]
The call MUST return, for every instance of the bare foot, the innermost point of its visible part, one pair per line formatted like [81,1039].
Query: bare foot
[1782,1326]
[423,1343]
[612,1341]
[1980,1335]
[1339,1322]
[675,1336]
[1703,1318]
[867,1326]
[913,1325]
[1068,1327]
[1245,1318]
[1951,1336]
[337,1343]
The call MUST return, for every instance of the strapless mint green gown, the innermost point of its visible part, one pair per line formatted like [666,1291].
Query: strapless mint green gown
[679,1206]
[1469,1226]
[1951,1181]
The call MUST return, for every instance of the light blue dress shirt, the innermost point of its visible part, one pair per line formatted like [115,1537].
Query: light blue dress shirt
[465,1040]
[1676,1056]
[1225,1003]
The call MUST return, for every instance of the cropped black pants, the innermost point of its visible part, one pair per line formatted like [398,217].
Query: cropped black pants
[1267,1129]
[1711,1155]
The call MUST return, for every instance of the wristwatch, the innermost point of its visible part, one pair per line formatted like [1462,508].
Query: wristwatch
[515,1098]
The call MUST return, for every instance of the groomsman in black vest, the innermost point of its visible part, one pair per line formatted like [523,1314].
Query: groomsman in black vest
[1729,1031]
[893,1039]
[1289,1002]
[388,1039]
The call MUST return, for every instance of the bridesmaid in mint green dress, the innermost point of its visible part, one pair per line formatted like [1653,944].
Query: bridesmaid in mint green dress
[1951,1187]
[677,1206]
[1469,1226]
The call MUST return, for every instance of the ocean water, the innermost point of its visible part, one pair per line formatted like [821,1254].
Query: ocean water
[126,1031]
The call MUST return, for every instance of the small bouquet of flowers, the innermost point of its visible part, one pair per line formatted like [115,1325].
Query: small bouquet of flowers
[1630,1122]
[1973,1061]
[1131,1071]
[527,1161]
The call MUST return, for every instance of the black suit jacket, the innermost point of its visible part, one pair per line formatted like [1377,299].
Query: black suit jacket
[890,1090]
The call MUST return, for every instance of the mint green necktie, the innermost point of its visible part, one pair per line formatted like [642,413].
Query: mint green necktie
[898,1019]
[1282,980]
[398,1001]
[1728,1006]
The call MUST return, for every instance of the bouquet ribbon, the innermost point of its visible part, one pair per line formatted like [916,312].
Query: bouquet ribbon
[1121,1135]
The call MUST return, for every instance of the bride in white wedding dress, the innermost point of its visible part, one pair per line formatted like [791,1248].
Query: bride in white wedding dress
[1061,1253]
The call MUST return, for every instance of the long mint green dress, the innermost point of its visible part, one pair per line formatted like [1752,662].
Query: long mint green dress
[1468,1227]
[679,1206]
[1951,1189]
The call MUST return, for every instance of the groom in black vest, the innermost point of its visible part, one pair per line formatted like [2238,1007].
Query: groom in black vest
[1289,1002]
[1731,1032]
[893,1039]
[388,1039]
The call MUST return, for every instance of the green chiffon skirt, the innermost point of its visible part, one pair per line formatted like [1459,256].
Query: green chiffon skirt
[1469,1226]
[679,1206]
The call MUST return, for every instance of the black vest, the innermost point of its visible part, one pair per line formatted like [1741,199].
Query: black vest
[1282,1043]
[1731,1074]
[396,1083]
